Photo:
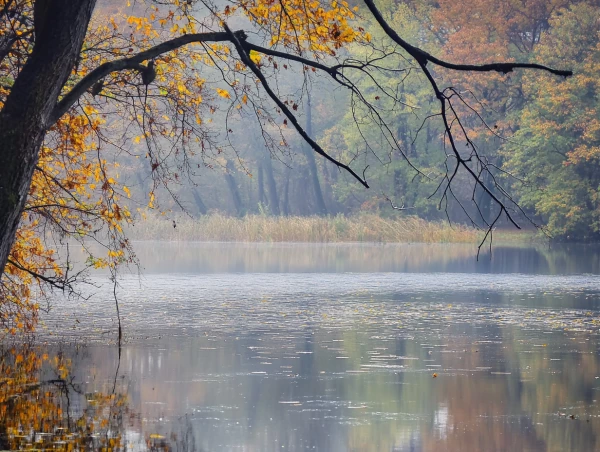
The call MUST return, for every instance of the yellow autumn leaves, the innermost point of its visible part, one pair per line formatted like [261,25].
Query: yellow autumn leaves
[223,93]
[321,27]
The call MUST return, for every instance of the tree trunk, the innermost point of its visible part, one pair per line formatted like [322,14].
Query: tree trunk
[141,184]
[328,188]
[261,185]
[399,184]
[6,43]
[273,198]
[484,201]
[202,210]
[26,114]
[233,188]
[286,192]
[312,165]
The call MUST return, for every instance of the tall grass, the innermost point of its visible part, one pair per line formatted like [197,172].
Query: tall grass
[259,228]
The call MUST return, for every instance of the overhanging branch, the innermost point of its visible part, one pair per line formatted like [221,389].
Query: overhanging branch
[238,39]
[424,57]
[54,282]
[244,55]
[133,62]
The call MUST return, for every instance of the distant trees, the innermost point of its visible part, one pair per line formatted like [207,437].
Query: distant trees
[84,97]
[535,134]
[556,148]
[541,135]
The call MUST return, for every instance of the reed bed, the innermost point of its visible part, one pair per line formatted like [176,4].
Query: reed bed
[260,228]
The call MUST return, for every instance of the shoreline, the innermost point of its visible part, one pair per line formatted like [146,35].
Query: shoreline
[360,229]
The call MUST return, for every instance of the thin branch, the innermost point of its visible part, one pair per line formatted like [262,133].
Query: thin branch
[51,281]
[244,55]
[395,207]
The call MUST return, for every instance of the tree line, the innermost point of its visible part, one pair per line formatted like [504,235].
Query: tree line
[536,135]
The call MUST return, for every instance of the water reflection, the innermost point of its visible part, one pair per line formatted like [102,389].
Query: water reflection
[303,354]
[43,406]
[497,388]
[181,257]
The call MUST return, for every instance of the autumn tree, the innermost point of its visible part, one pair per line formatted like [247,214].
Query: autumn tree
[556,150]
[505,29]
[537,134]
[82,83]
[406,174]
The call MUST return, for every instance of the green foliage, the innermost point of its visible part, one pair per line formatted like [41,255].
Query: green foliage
[555,150]
[410,137]
[544,130]
[549,128]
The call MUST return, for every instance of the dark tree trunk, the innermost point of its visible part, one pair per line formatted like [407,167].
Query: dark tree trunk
[399,185]
[398,188]
[273,198]
[27,112]
[233,188]
[312,165]
[328,189]
[301,201]
[484,201]
[141,183]
[6,43]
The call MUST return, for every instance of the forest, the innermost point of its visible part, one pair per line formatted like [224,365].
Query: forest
[537,133]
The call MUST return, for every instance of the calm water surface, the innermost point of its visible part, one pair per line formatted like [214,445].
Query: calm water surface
[238,347]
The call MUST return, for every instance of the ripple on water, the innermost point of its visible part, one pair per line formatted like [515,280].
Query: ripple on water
[393,303]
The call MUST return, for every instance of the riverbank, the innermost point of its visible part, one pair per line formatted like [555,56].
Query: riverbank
[260,228]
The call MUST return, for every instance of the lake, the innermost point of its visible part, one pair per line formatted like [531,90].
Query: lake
[298,347]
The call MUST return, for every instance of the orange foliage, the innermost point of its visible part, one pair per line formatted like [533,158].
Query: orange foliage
[34,405]
[488,31]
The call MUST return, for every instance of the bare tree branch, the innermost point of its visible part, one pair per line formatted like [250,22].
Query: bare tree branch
[395,207]
[244,55]
[424,57]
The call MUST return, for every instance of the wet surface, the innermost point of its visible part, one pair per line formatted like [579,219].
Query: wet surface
[416,348]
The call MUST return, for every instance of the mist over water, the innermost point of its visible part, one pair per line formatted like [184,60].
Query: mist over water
[345,347]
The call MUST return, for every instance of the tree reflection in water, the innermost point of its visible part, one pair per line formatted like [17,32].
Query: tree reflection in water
[497,389]
[41,406]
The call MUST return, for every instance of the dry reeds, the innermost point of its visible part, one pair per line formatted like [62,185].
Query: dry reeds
[260,228]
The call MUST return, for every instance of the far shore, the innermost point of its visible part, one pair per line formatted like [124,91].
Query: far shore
[365,228]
